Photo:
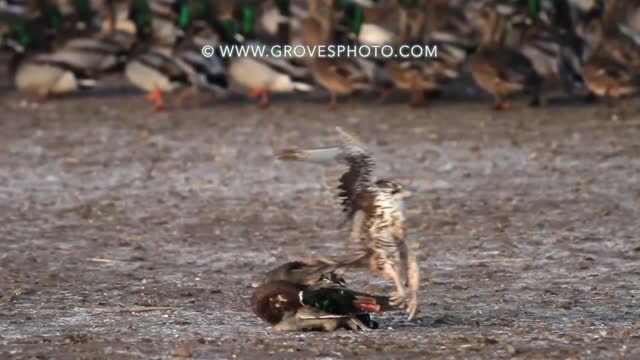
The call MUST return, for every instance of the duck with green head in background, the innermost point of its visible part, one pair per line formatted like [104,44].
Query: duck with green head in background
[97,50]
[159,66]
[32,69]
[154,68]
[258,76]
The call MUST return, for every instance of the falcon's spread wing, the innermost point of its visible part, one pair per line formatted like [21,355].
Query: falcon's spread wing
[347,186]
[305,272]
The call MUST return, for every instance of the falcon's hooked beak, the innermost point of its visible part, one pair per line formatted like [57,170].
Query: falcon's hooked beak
[404,193]
[401,192]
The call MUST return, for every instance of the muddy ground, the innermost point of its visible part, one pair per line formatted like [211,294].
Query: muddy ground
[527,232]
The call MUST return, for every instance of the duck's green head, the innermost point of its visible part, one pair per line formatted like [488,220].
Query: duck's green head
[82,11]
[409,4]
[226,29]
[201,10]
[599,4]
[284,7]
[533,8]
[341,4]
[353,18]
[184,13]
[19,36]
[246,17]
[141,15]
[51,14]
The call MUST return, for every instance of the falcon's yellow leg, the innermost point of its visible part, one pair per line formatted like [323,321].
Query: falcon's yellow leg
[413,277]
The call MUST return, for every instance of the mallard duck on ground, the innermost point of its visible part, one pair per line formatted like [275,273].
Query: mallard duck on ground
[324,306]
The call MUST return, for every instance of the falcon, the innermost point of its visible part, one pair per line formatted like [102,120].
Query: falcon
[374,207]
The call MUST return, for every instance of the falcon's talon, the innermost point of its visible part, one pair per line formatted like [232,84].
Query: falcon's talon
[412,307]
[397,299]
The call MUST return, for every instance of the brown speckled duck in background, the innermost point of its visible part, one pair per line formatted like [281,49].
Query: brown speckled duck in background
[612,71]
[338,76]
[498,69]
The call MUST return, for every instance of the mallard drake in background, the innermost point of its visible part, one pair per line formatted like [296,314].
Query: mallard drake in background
[100,49]
[256,75]
[42,76]
[155,69]
[164,65]
[366,26]
[556,37]
[33,70]
[324,306]
[498,69]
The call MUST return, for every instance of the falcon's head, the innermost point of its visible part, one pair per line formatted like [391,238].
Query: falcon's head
[398,191]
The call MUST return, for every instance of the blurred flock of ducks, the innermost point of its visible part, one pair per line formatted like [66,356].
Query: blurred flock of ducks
[538,48]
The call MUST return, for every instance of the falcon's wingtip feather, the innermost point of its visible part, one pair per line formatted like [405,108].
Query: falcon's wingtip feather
[289,154]
[350,139]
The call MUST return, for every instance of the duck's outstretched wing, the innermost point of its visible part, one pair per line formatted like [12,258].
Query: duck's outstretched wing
[345,186]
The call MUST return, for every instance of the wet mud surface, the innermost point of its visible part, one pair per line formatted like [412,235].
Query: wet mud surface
[527,232]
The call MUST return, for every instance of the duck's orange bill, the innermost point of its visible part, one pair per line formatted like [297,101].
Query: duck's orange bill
[367,306]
